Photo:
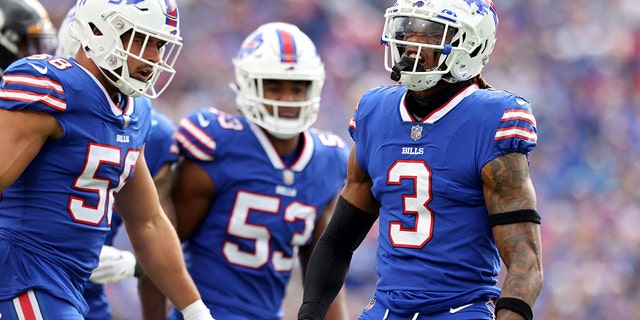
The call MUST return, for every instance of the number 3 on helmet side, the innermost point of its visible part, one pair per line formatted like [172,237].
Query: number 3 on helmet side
[412,204]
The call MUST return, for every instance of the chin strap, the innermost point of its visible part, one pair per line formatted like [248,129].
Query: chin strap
[406,63]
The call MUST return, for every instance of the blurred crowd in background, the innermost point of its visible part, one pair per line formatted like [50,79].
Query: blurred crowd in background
[577,61]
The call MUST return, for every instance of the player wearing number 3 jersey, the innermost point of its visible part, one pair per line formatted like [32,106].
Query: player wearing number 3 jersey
[442,162]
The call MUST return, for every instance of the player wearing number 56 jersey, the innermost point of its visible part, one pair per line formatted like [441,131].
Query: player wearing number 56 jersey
[72,151]
[442,161]
[55,216]
[160,152]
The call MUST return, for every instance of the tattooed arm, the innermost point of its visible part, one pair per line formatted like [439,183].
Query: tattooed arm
[508,188]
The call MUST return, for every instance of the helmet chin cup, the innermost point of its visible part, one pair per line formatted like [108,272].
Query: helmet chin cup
[420,82]
[282,136]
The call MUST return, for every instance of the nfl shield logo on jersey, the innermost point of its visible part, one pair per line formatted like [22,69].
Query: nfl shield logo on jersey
[416,132]
[287,177]
[491,306]
[369,306]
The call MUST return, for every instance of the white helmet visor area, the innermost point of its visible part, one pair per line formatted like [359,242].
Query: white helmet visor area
[403,32]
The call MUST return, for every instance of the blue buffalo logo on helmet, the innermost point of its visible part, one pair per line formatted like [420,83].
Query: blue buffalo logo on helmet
[251,46]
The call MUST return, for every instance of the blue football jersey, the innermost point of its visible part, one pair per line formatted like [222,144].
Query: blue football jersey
[160,148]
[242,255]
[55,216]
[435,246]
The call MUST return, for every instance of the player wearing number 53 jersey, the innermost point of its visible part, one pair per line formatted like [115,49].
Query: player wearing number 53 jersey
[254,192]
[442,161]
[264,209]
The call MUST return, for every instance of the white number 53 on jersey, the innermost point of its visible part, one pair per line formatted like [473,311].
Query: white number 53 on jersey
[239,226]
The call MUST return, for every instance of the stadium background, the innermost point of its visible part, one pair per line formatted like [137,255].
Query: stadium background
[577,61]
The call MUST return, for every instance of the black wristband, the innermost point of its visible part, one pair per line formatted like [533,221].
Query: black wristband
[516,305]
[517,216]
[138,271]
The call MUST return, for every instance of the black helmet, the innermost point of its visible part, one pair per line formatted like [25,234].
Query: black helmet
[25,30]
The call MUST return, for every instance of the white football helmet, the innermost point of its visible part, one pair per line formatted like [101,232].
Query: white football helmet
[467,29]
[67,45]
[278,51]
[150,18]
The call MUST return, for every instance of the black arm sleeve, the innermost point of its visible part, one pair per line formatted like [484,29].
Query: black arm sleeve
[331,258]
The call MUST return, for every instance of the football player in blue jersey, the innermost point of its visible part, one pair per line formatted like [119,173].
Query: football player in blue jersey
[160,151]
[442,160]
[254,191]
[72,151]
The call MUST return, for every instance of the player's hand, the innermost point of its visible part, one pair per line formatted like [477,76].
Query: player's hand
[115,265]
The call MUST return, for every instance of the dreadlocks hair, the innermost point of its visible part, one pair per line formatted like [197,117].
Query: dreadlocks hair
[479,80]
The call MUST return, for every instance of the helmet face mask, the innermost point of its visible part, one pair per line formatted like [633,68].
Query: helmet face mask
[113,35]
[278,52]
[447,40]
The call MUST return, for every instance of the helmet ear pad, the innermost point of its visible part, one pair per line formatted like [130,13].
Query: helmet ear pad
[465,66]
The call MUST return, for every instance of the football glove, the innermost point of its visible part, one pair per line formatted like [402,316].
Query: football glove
[114,266]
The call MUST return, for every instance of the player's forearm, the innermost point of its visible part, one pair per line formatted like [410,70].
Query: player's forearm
[522,256]
[519,296]
[329,263]
[158,250]
[524,287]
[325,275]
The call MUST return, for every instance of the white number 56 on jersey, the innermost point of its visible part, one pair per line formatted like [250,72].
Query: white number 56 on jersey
[89,182]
